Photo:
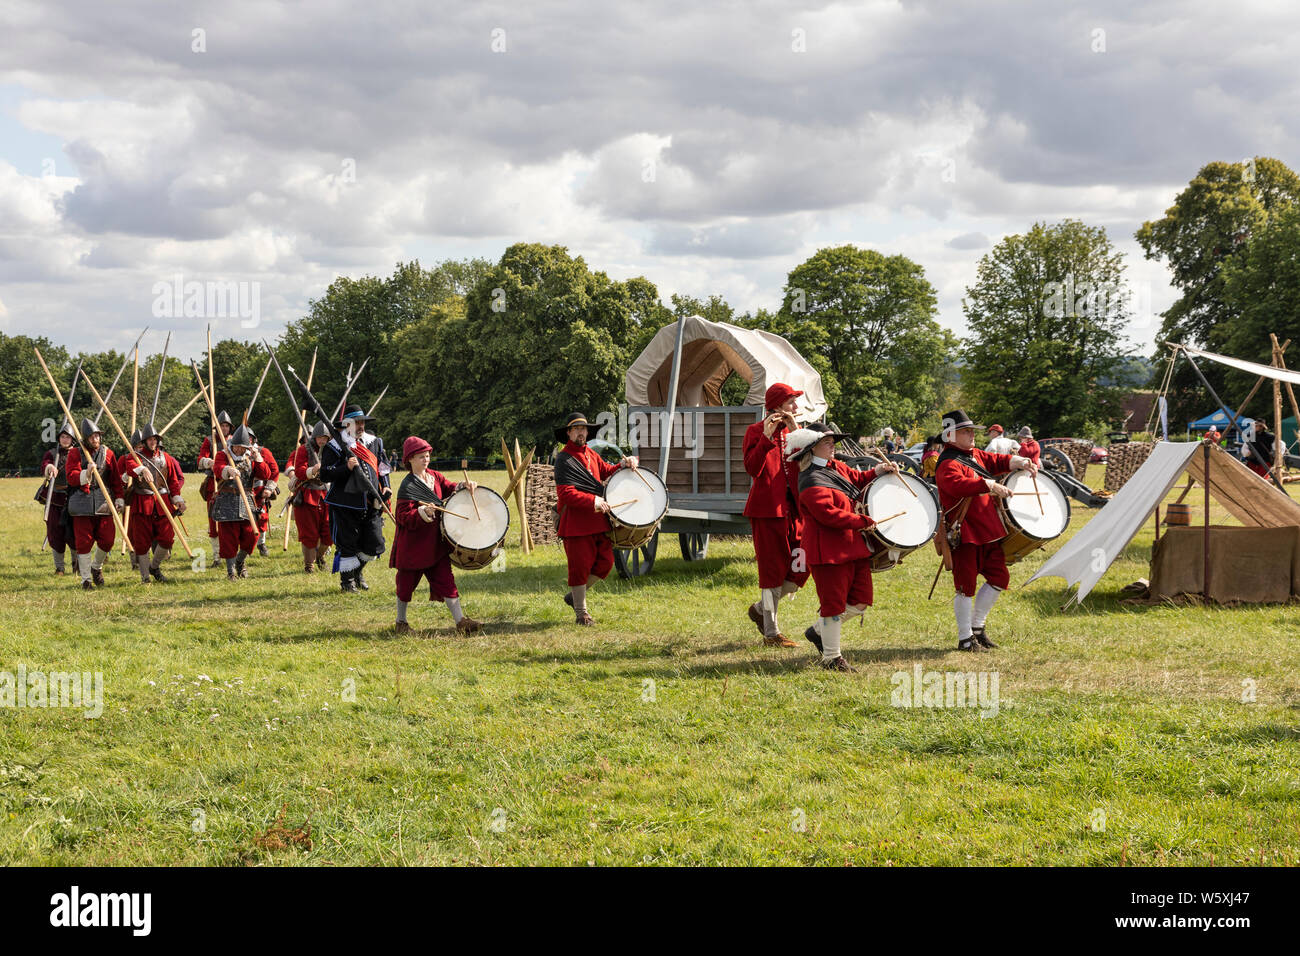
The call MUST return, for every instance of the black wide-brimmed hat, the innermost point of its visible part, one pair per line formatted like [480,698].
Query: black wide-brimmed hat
[955,420]
[355,413]
[575,418]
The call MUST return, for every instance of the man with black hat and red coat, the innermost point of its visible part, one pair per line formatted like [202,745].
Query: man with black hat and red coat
[208,488]
[773,511]
[419,549]
[54,464]
[92,523]
[356,515]
[966,478]
[236,536]
[149,528]
[310,513]
[580,476]
[835,522]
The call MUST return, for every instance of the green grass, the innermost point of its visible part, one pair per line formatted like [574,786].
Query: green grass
[225,699]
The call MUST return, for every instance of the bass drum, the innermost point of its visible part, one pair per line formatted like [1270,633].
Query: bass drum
[637,503]
[910,521]
[1036,513]
[475,537]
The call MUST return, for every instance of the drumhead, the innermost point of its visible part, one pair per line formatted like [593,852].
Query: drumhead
[1023,508]
[647,504]
[886,496]
[476,531]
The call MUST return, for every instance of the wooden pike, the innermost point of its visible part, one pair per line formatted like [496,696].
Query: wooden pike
[148,476]
[188,406]
[311,371]
[135,389]
[86,456]
[521,469]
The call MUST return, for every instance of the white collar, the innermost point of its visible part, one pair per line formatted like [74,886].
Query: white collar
[819,462]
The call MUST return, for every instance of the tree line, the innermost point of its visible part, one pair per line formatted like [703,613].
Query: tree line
[473,351]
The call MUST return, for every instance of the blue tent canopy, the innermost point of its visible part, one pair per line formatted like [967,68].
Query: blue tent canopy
[1218,419]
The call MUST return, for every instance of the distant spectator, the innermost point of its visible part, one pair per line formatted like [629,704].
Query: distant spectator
[1212,436]
[887,440]
[1263,447]
[1028,445]
[1000,444]
[930,456]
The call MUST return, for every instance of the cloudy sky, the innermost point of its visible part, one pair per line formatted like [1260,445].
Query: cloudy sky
[708,146]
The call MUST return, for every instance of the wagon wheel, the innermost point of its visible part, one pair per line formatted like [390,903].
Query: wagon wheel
[634,562]
[906,464]
[1056,460]
[695,545]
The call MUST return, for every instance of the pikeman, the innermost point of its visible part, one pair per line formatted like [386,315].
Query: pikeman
[419,549]
[208,488]
[310,513]
[580,475]
[835,520]
[773,511]
[356,516]
[966,481]
[264,491]
[92,523]
[137,446]
[149,528]
[55,492]
[236,537]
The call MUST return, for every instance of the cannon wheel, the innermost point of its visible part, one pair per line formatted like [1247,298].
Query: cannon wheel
[695,545]
[635,562]
[906,464]
[1056,460]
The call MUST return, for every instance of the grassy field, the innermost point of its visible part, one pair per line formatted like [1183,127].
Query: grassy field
[664,735]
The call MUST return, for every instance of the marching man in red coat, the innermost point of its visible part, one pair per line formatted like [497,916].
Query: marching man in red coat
[310,513]
[236,538]
[92,524]
[55,467]
[967,481]
[264,491]
[419,549]
[580,476]
[773,511]
[208,488]
[835,520]
[149,528]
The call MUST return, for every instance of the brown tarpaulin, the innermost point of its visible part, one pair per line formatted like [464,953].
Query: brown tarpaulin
[1249,565]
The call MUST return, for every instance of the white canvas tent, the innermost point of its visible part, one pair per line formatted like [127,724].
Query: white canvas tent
[711,351]
[1242,493]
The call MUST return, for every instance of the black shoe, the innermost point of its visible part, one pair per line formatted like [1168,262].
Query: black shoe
[97,575]
[346,582]
[970,644]
[87,586]
[839,664]
[320,562]
[261,549]
[981,638]
[240,569]
[811,634]
[568,598]
[157,575]
[360,581]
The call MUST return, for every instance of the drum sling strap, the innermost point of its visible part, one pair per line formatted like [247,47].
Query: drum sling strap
[571,471]
[413,489]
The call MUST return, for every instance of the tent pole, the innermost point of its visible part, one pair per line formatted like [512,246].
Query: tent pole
[1205,544]
[1232,418]
[666,423]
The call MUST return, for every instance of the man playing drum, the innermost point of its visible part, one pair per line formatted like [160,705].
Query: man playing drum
[773,511]
[580,474]
[966,482]
[419,550]
[835,519]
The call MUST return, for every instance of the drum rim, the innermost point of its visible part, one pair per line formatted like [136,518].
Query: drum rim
[934,498]
[1009,517]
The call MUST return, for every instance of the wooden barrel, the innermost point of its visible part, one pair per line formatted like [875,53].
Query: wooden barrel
[1180,515]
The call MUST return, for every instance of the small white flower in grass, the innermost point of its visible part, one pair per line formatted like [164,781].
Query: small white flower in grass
[152,684]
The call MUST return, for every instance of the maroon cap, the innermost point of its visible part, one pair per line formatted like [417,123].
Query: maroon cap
[778,394]
[413,446]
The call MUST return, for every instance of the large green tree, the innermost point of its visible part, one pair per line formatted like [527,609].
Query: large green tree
[1046,314]
[1211,225]
[872,319]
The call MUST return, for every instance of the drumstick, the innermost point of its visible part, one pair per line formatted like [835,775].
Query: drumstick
[905,484]
[464,471]
[630,501]
[1040,497]
[891,517]
[637,472]
[1038,493]
[447,511]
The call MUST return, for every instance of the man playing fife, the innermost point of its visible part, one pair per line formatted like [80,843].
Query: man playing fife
[966,479]
[773,511]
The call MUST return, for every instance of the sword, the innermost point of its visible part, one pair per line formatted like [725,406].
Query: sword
[158,391]
[109,394]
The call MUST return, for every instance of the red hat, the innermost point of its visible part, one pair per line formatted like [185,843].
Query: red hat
[778,394]
[413,446]
[995,428]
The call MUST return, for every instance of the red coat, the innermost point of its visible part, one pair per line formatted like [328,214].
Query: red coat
[109,474]
[419,543]
[299,462]
[774,491]
[146,503]
[272,469]
[578,514]
[205,451]
[1031,450]
[832,530]
[260,469]
[955,481]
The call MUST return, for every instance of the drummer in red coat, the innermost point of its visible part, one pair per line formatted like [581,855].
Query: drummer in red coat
[835,520]
[580,476]
[773,511]
[419,549]
[969,474]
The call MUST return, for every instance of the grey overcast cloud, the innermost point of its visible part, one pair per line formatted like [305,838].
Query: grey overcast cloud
[709,147]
